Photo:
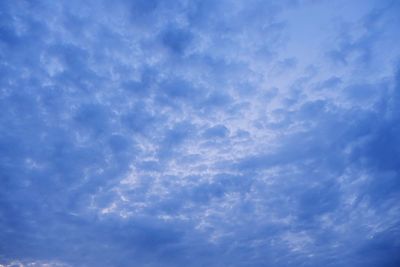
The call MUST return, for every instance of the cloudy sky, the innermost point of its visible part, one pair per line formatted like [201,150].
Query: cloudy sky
[200,133]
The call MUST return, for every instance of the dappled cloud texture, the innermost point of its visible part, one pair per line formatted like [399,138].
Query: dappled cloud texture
[237,133]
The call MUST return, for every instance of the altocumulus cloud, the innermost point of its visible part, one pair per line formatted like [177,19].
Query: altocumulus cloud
[200,133]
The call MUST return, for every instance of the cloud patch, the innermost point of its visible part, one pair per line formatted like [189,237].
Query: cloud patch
[194,133]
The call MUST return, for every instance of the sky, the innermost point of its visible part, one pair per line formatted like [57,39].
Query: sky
[218,133]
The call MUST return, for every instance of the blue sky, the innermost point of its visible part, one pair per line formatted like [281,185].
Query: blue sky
[237,133]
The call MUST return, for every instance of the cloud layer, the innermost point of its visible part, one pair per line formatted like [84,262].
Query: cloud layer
[199,133]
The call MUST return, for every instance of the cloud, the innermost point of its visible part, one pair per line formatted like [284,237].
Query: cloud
[193,133]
